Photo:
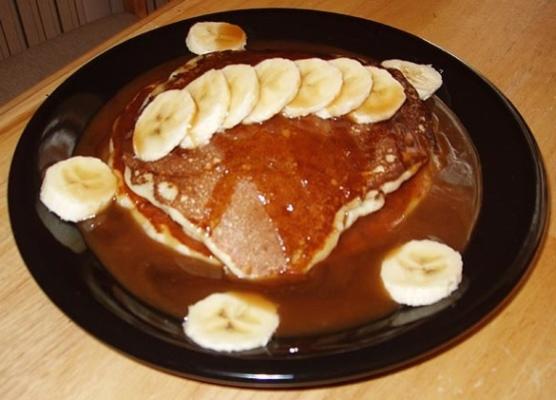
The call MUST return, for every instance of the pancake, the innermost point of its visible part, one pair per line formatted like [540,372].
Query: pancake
[164,231]
[272,199]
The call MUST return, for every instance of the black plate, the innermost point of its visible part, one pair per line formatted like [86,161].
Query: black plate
[508,232]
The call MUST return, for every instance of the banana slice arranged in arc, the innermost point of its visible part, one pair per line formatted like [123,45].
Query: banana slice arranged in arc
[321,82]
[421,272]
[163,124]
[244,92]
[78,188]
[424,78]
[220,99]
[357,83]
[211,95]
[386,97]
[231,321]
[207,37]
[279,80]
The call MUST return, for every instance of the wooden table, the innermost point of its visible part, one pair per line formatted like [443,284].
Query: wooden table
[43,355]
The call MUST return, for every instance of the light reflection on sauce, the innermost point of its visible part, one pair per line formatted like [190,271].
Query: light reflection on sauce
[342,291]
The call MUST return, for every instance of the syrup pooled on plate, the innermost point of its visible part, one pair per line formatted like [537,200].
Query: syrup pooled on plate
[343,290]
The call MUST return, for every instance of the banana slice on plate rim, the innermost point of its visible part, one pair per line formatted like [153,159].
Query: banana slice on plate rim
[231,321]
[207,37]
[421,272]
[78,188]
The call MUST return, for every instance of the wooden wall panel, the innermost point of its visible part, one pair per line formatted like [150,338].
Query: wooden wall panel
[137,7]
[142,8]
[31,20]
[49,18]
[26,23]
[12,32]
[95,9]
[91,10]
[67,12]
[117,6]
[4,49]
[80,11]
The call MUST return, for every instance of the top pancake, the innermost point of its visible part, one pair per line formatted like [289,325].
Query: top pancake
[272,198]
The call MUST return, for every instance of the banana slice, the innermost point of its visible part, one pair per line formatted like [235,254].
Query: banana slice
[424,78]
[78,188]
[163,124]
[212,96]
[206,37]
[386,97]
[421,272]
[279,81]
[320,84]
[244,92]
[231,321]
[357,83]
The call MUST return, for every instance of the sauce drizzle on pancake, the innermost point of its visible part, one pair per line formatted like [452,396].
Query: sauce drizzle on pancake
[268,199]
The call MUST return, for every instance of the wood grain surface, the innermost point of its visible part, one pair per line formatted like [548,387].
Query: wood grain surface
[43,355]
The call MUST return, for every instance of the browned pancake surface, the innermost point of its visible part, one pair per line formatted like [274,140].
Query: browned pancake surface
[267,194]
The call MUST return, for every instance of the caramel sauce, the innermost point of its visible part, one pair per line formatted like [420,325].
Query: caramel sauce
[229,36]
[345,289]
